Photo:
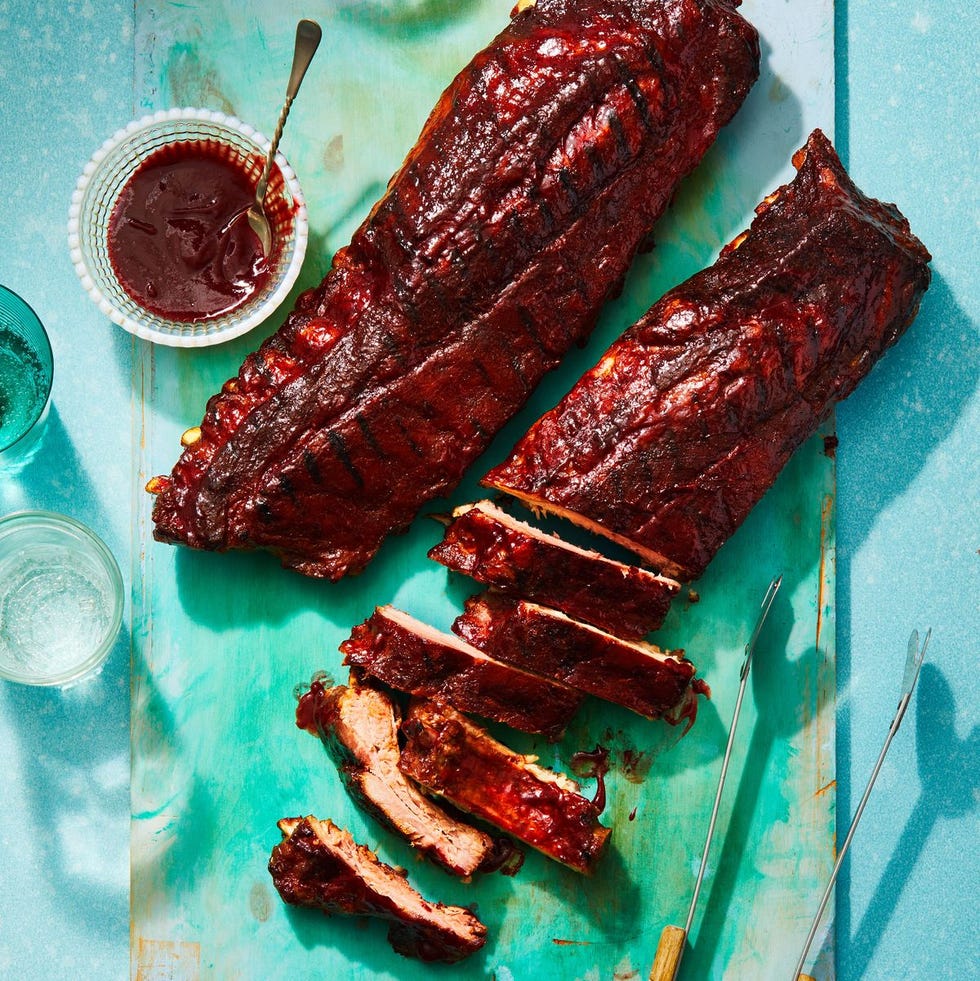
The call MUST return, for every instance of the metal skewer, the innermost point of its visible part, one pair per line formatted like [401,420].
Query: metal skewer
[913,663]
[670,949]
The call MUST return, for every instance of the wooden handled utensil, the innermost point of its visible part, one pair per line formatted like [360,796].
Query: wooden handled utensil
[673,939]
[913,662]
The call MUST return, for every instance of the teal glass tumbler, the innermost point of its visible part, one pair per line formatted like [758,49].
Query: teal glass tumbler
[26,373]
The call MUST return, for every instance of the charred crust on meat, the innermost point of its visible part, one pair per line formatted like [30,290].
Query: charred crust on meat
[419,291]
[412,657]
[319,866]
[723,378]
[455,758]
[653,683]
[496,549]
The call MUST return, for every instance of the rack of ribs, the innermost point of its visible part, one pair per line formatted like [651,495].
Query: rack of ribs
[359,727]
[651,682]
[538,175]
[494,548]
[451,756]
[686,421]
[320,866]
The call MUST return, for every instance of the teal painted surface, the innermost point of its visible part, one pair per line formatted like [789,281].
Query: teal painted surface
[909,497]
[66,81]
[220,641]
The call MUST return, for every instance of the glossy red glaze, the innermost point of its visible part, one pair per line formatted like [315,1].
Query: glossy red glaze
[358,725]
[319,866]
[311,703]
[688,711]
[624,599]
[453,757]
[668,443]
[557,647]
[537,177]
[424,665]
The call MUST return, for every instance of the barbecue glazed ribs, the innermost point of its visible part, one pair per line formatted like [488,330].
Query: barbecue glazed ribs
[413,657]
[537,176]
[515,558]
[359,727]
[671,439]
[656,684]
[451,756]
[319,865]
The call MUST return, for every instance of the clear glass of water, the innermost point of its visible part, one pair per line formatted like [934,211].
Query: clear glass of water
[61,599]
[26,371]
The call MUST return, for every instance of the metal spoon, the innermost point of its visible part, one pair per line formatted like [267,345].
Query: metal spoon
[308,35]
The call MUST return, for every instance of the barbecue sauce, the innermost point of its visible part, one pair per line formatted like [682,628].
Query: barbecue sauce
[690,710]
[593,764]
[307,706]
[179,239]
[505,858]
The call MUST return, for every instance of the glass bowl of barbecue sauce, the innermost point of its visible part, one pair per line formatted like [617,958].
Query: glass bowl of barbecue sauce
[159,235]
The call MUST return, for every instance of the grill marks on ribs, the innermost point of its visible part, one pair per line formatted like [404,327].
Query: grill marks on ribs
[452,756]
[413,657]
[319,865]
[639,676]
[359,727]
[494,548]
[540,171]
[668,442]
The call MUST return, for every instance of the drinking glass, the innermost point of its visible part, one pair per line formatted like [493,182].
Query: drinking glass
[26,370]
[61,599]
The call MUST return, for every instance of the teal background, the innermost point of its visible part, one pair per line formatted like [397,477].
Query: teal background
[907,505]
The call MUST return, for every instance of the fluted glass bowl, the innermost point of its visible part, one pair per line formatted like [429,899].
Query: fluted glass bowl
[111,168]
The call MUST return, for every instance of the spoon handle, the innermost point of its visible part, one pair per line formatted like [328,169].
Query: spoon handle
[308,36]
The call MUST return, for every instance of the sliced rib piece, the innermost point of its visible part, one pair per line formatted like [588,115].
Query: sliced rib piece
[452,756]
[537,176]
[492,547]
[320,866]
[359,727]
[413,657]
[642,677]
[667,444]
